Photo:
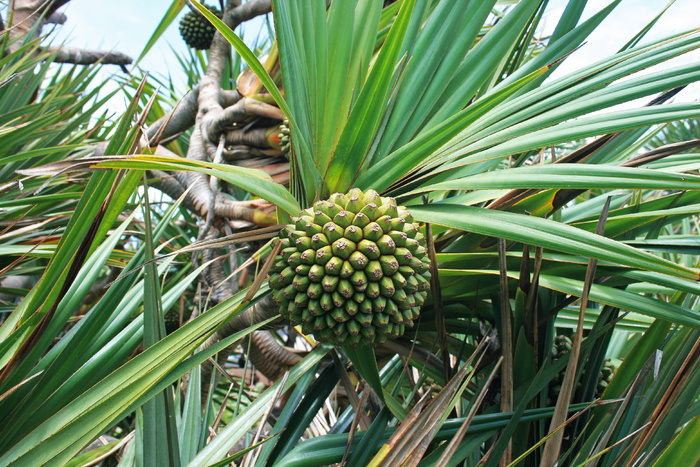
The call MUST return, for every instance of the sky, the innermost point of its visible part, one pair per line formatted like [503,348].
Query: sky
[623,23]
[126,26]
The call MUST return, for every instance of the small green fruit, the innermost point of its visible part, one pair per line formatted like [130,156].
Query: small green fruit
[353,270]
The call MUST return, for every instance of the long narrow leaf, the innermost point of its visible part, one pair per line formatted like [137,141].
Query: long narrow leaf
[546,233]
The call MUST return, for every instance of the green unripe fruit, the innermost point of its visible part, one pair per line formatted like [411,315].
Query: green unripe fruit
[358,260]
[374,271]
[353,233]
[294,259]
[343,248]
[300,283]
[369,249]
[353,327]
[399,238]
[333,266]
[303,243]
[286,276]
[365,319]
[314,307]
[389,265]
[301,300]
[354,340]
[319,323]
[389,210]
[308,257]
[368,333]
[386,245]
[287,252]
[351,307]
[326,302]
[366,306]
[396,318]
[319,241]
[372,231]
[380,304]
[329,283]
[338,198]
[344,218]
[361,220]
[289,292]
[307,327]
[410,301]
[386,287]
[321,218]
[285,143]
[355,203]
[338,300]
[346,270]
[373,290]
[384,223]
[359,280]
[324,254]
[352,270]
[345,288]
[391,308]
[316,273]
[371,210]
[333,231]
[196,30]
[380,320]
[400,282]
[314,291]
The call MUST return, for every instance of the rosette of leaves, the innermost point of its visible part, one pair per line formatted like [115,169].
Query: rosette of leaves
[196,31]
[352,269]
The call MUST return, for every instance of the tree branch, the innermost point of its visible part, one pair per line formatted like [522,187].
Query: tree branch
[88,57]
[25,16]
[56,18]
[183,117]
[29,17]
[210,107]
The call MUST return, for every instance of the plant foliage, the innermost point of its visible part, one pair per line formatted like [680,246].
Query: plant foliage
[561,324]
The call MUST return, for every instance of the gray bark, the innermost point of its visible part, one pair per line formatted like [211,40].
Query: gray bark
[28,18]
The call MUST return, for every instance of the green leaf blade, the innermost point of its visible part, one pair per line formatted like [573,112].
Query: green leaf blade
[546,233]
